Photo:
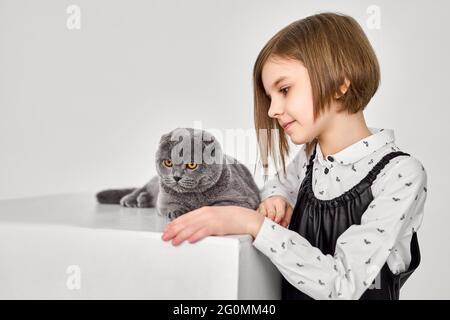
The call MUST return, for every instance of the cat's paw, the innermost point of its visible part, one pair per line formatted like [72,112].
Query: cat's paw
[175,214]
[144,200]
[129,201]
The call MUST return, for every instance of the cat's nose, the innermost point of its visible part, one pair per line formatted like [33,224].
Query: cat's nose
[177,178]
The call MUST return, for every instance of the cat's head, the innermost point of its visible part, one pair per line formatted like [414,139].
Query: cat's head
[189,160]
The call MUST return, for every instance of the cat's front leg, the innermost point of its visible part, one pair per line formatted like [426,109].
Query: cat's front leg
[239,202]
[144,200]
[130,200]
[173,212]
[176,213]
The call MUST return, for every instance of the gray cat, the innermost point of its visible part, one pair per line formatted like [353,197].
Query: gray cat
[192,173]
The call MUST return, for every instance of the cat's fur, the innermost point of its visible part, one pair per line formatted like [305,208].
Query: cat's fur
[221,182]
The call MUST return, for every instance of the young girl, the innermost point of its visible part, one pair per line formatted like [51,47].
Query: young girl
[341,222]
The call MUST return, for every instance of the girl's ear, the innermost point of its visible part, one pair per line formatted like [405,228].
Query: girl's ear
[343,89]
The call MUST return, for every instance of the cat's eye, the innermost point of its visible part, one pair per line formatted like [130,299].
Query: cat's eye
[191,165]
[167,163]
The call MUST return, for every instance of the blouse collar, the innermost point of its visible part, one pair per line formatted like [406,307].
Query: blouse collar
[358,150]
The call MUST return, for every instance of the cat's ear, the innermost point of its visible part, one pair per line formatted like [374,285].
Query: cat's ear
[208,138]
[164,138]
[212,152]
[170,138]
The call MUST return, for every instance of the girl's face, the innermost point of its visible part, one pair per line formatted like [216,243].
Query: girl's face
[292,100]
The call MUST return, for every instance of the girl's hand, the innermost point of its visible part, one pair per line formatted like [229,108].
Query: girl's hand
[278,209]
[215,220]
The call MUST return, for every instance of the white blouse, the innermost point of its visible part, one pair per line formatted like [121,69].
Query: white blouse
[385,232]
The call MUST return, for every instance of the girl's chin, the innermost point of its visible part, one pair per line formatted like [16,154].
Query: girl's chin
[296,139]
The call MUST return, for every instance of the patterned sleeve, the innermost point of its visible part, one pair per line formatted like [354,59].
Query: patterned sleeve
[361,251]
[287,186]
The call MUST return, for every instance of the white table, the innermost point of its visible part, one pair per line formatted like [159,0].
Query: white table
[66,246]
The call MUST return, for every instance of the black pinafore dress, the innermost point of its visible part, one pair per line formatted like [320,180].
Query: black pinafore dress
[321,222]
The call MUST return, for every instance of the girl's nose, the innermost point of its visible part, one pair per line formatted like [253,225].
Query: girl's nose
[275,110]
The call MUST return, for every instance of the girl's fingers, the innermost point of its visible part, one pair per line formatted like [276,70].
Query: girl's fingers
[271,211]
[262,209]
[184,234]
[185,226]
[173,230]
[288,215]
[198,235]
[280,207]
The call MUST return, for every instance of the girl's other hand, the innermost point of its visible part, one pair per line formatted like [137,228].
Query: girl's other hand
[278,209]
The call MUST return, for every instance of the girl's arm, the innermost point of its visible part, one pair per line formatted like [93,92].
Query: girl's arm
[288,186]
[362,250]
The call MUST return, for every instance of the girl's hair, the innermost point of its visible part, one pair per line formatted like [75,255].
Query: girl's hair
[332,47]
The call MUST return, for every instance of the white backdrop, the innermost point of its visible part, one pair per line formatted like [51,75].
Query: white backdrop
[83,109]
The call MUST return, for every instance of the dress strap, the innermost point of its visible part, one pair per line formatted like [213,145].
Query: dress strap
[372,175]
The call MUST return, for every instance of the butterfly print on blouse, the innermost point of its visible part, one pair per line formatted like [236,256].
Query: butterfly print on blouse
[366,143]
[346,274]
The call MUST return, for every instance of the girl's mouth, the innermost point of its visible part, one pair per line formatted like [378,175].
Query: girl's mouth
[287,125]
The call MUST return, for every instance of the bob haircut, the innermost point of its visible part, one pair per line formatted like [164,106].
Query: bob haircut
[332,47]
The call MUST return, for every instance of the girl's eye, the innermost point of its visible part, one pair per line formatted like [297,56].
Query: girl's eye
[284,92]
[167,163]
[191,165]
